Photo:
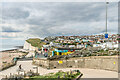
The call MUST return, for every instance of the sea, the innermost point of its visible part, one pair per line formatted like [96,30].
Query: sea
[10,44]
[7,47]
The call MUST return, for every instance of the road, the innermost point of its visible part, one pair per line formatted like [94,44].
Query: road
[87,73]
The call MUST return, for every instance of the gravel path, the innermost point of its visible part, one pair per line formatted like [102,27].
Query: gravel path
[87,73]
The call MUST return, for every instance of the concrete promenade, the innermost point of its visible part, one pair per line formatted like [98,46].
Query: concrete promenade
[87,73]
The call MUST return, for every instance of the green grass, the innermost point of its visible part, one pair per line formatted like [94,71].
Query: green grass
[54,76]
[36,42]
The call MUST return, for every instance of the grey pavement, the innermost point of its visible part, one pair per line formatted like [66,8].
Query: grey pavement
[87,73]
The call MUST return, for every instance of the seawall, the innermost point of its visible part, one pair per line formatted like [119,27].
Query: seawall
[94,62]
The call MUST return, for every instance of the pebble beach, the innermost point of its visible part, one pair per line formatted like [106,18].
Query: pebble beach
[6,57]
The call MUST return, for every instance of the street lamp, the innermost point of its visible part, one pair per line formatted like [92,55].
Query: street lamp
[106,34]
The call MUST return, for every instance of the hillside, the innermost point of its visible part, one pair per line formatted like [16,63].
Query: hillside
[36,42]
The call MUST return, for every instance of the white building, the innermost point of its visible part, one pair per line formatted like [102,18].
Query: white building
[45,47]
[106,45]
[71,46]
[80,46]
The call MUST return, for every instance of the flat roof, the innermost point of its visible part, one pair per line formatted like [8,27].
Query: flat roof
[69,48]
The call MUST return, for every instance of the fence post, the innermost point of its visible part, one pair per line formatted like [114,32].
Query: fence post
[37,70]
[24,73]
[10,75]
[18,73]
[6,76]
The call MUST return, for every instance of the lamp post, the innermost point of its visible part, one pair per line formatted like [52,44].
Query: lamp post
[106,34]
[106,15]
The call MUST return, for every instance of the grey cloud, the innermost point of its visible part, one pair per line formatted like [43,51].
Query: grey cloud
[48,19]
[9,29]
[14,13]
[69,13]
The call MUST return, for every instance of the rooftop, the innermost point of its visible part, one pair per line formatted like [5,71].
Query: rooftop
[69,48]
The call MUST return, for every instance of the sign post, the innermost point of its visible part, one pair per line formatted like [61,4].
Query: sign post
[106,35]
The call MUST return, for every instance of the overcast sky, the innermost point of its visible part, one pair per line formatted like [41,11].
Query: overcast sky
[38,19]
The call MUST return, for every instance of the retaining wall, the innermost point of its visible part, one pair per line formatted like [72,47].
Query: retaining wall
[94,62]
[7,65]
